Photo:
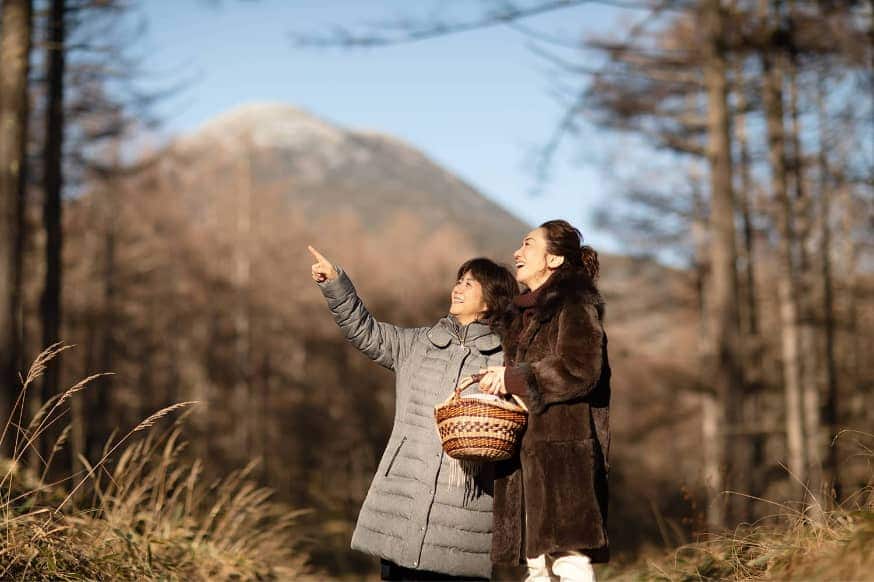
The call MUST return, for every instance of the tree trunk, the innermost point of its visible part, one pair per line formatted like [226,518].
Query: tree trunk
[831,416]
[858,405]
[727,381]
[245,388]
[750,311]
[189,340]
[50,304]
[752,412]
[772,96]
[711,413]
[14,69]
[101,418]
[809,355]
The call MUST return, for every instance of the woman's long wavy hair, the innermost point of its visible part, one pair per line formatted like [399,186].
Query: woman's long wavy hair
[564,240]
[498,283]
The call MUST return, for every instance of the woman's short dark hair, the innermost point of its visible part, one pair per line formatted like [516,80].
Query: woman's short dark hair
[564,240]
[498,283]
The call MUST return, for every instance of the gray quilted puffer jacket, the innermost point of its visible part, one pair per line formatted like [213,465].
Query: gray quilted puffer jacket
[412,515]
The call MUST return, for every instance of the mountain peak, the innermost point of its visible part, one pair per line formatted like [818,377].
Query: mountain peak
[268,125]
[323,167]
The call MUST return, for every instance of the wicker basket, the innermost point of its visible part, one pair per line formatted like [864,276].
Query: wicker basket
[480,427]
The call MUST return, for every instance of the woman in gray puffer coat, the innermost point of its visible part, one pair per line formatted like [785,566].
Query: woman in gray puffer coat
[420,524]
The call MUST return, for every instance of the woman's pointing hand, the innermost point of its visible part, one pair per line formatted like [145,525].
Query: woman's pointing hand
[323,270]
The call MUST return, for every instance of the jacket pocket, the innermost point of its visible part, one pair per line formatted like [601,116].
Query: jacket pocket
[394,456]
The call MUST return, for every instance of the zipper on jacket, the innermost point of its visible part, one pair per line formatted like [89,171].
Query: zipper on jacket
[394,456]
[461,338]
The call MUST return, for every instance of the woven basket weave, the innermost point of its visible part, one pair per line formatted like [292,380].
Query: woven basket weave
[480,427]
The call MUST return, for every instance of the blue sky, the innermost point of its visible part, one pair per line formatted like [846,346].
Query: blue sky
[479,103]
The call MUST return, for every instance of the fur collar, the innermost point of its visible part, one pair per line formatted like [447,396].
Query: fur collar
[562,288]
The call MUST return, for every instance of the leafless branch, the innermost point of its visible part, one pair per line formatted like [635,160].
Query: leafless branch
[411,30]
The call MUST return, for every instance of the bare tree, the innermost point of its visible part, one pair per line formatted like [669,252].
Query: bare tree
[754,410]
[773,67]
[52,181]
[825,186]
[14,67]
[728,377]
[809,363]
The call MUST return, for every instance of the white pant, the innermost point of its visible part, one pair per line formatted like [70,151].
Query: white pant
[568,566]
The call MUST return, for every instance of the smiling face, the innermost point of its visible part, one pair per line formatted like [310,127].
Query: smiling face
[467,300]
[533,263]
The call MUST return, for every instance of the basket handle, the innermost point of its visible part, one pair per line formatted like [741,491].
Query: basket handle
[519,402]
[465,382]
[462,385]
[473,379]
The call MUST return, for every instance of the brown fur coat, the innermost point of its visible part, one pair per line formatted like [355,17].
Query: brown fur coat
[553,496]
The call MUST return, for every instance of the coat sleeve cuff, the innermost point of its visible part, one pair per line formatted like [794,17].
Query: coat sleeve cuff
[336,290]
[520,380]
[516,380]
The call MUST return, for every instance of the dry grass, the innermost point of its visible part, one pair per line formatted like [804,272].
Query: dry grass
[148,516]
[806,544]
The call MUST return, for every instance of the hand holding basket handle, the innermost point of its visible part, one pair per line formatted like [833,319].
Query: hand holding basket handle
[467,381]
[492,380]
[480,427]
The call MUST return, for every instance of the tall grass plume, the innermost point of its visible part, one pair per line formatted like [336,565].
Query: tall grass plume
[150,515]
[808,543]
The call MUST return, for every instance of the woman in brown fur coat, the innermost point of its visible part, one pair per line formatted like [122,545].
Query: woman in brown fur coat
[550,505]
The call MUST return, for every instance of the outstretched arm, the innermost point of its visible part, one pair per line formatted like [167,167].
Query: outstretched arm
[382,342]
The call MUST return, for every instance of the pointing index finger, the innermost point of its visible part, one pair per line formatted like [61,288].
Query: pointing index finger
[318,256]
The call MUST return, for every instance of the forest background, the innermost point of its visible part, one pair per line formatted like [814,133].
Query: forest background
[155,214]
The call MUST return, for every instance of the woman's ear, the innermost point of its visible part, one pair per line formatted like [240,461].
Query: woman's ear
[554,261]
